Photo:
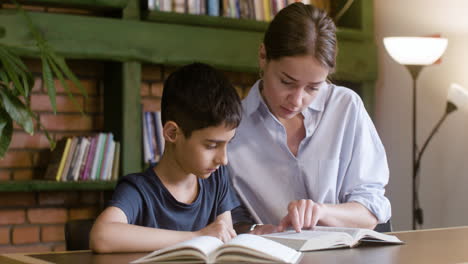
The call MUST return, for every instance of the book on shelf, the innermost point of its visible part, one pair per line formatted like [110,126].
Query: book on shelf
[322,237]
[65,154]
[260,10]
[208,249]
[153,141]
[116,163]
[71,153]
[97,156]
[85,158]
[84,145]
[90,159]
[57,160]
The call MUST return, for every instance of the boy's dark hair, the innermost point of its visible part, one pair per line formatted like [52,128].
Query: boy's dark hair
[197,96]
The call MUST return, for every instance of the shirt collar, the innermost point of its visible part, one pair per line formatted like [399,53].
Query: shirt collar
[254,99]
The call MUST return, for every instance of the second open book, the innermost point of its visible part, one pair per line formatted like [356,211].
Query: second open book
[330,237]
[242,248]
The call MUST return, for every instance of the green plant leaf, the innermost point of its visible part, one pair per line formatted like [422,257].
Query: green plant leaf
[65,85]
[6,131]
[48,79]
[64,67]
[14,62]
[11,72]
[4,77]
[14,58]
[17,110]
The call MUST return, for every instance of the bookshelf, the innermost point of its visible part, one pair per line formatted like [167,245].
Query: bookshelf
[139,36]
[41,185]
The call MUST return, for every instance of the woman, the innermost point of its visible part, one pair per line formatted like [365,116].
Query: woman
[306,152]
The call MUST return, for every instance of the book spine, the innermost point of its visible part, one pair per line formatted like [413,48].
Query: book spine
[76,153]
[146,147]
[101,137]
[151,136]
[259,13]
[64,159]
[79,161]
[116,162]
[90,158]
[56,157]
[63,176]
[266,10]
[109,160]
[84,160]
[105,156]
[178,6]
[102,147]
[166,5]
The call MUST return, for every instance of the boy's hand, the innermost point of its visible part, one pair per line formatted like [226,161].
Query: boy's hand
[219,229]
[301,214]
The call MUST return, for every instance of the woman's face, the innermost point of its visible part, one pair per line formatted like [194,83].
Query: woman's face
[291,83]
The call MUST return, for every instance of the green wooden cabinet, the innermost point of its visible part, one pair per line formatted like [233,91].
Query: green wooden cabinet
[174,39]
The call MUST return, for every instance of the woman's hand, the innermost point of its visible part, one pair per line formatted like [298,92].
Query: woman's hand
[301,214]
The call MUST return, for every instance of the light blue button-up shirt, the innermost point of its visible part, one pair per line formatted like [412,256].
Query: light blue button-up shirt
[341,159]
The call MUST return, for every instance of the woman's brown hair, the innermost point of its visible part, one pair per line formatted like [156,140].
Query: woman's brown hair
[300,29]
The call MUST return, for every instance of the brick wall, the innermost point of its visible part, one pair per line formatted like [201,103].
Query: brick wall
[34,221]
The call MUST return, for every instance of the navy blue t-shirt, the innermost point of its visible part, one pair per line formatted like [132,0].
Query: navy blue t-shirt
[146,201]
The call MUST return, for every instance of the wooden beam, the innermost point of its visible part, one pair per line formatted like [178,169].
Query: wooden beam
[173,44]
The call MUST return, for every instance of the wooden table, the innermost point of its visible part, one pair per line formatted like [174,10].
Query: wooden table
[444,245]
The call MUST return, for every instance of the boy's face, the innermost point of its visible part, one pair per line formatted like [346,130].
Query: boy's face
[204,151]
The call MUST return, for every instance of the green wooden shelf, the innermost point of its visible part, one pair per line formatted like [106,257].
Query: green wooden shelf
[41,185]
[171,43]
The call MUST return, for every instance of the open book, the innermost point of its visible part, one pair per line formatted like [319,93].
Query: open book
[322,237]
[242,248]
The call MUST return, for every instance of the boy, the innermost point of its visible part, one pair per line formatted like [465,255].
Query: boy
[187,194]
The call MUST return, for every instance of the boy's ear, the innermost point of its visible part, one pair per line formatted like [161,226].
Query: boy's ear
[171,131]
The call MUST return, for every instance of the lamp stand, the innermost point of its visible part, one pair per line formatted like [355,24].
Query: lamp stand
[417,212]
[414,71]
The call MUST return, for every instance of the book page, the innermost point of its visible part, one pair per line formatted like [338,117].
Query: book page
[194,249]
[309,240]
[253,248]
[361,234]
[353,232]
[373,236]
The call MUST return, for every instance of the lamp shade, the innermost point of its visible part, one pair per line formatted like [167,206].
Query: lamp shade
[415,50]
[458,95]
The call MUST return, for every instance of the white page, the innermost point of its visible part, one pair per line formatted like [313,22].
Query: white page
[204,244]
[359,233]
[260,248]
[311,239]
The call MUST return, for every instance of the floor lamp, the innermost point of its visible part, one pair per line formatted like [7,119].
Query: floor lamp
[414,53]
